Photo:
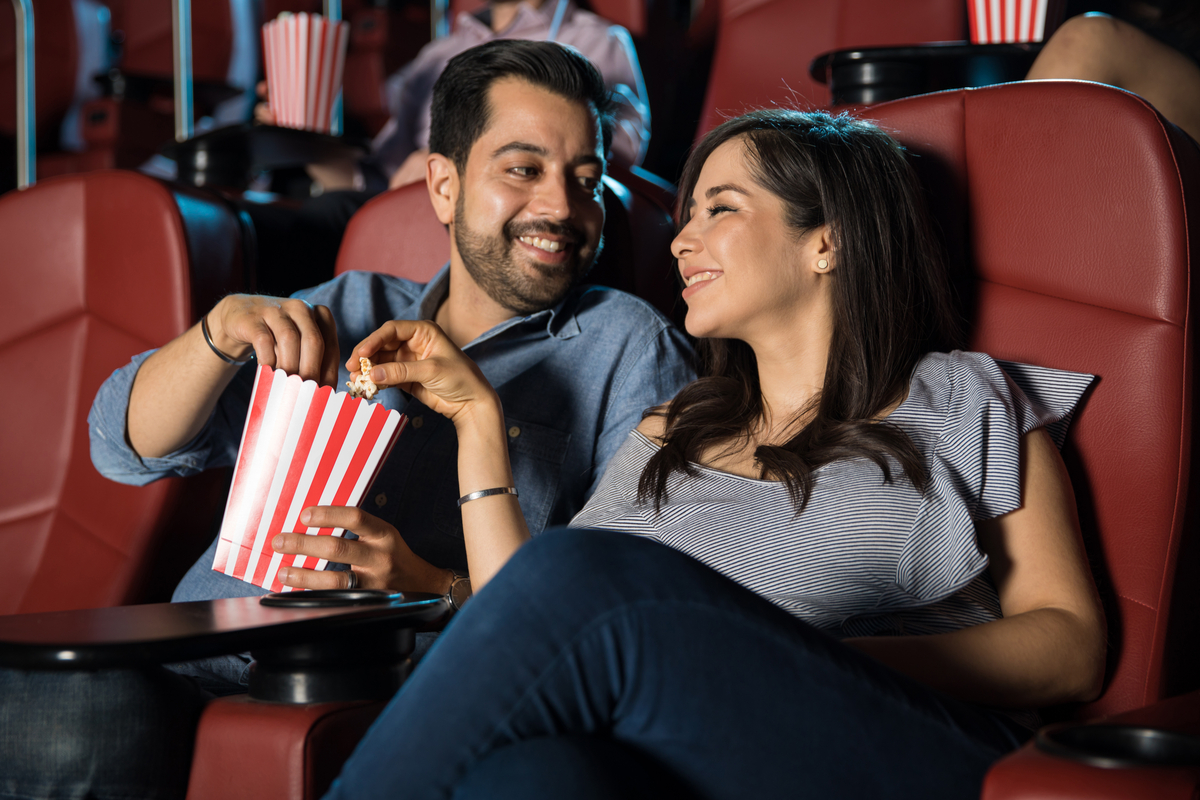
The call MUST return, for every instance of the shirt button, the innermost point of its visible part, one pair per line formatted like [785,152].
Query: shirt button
[514,432]
[417,422]
[381,499]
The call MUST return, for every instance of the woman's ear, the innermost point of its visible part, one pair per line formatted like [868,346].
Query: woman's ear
[821,250]
[441,177]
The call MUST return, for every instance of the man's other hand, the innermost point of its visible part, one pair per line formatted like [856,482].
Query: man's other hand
[292,335]
[379,557]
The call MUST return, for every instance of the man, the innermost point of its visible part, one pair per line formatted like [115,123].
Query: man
[519,136]
[299,246]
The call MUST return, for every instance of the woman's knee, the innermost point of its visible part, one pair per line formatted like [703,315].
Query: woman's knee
[1091,46]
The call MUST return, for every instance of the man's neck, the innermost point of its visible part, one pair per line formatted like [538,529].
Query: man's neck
[468,311]
[505,11]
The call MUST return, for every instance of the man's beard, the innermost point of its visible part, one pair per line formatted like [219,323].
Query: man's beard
[491,263]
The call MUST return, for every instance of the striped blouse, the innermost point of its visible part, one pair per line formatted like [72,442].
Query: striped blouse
[866,557]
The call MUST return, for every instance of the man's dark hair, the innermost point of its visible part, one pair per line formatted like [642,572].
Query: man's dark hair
[461,112]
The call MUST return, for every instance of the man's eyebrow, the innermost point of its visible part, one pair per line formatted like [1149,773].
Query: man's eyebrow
[533,149]
[520,147]
[713,191]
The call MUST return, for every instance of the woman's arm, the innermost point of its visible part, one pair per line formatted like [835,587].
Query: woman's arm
[1049,648]
[419,358]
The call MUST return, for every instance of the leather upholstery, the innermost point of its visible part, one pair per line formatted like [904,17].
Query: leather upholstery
[397,233]
[1030,774]
[296,751]
[148,44]
[101,268]
[764,47]
[56,57]
[1071,204]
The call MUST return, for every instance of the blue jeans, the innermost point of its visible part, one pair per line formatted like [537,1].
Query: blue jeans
[97,735]
[602,636]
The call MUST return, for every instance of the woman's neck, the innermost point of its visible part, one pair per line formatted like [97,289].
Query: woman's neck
[791,372]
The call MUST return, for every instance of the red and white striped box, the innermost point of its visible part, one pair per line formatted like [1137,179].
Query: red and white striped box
[304,55]
[1007,21]
[303,445]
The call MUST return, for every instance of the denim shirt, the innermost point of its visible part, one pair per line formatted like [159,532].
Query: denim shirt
[573,380]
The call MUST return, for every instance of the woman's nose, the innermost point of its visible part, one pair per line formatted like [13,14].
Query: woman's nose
[685,242]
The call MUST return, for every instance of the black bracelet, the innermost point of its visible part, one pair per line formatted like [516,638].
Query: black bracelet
[466,498]
[213,347]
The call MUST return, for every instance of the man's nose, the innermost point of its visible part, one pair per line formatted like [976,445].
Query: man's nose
[553,198]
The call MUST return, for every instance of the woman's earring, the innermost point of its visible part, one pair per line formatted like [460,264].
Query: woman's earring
[822,264]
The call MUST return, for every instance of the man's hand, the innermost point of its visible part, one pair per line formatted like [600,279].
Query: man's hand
[263,112]
[291,335]
[379,557]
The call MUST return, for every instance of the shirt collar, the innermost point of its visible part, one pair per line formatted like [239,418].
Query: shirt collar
[560,321]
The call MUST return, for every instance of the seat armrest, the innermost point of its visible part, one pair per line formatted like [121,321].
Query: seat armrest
[1031,772]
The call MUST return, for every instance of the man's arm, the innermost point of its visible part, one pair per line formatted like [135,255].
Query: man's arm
[653,374]
[177,388]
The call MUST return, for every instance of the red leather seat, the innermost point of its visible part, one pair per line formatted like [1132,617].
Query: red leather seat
[98,268]
[1071,205]
[764,47]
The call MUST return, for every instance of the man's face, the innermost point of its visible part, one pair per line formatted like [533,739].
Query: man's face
[530,209]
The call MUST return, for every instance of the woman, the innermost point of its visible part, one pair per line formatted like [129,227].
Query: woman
[830,462]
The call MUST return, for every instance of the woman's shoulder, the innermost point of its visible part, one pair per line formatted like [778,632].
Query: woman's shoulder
[654,425]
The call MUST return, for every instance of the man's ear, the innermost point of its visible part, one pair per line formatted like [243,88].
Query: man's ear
[441,177]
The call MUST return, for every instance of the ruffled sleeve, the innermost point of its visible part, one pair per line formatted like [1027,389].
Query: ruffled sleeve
[975,471]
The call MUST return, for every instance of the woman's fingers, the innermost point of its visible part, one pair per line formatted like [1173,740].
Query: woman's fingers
[415,337]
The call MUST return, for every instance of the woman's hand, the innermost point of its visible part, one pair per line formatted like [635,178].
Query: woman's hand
[419,358]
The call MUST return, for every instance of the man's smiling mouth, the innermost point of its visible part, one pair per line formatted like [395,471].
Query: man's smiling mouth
[543,244]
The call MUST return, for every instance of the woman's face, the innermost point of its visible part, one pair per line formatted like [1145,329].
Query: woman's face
[746,273]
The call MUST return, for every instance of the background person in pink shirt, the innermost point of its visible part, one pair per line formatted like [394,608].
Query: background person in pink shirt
[398,152]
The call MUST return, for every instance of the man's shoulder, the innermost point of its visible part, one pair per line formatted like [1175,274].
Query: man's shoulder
[359,292]
[604,306]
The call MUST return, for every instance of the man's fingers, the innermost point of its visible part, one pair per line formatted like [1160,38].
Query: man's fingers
[300,578]
[312,342]
[329,360]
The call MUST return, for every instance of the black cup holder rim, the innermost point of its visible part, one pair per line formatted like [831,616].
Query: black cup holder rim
[330,598]
[1115,746]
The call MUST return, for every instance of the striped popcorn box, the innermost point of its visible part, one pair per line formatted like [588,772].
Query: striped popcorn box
[304,56]
[303,445]
[1008,21]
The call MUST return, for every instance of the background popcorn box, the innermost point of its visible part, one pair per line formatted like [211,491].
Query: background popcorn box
[303,445]
[1001,21]
[304,55]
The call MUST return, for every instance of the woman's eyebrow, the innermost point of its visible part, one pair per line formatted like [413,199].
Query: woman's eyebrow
[713,191]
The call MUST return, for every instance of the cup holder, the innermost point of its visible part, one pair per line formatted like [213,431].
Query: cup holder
[330,598]
[1120,745]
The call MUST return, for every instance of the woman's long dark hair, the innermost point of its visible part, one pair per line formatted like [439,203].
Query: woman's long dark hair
[890,304]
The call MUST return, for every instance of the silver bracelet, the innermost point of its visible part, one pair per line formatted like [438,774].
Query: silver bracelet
[213,347]
[466,498]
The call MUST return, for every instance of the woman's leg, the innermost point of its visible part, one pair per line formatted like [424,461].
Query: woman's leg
[595,632]
[1097,47]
